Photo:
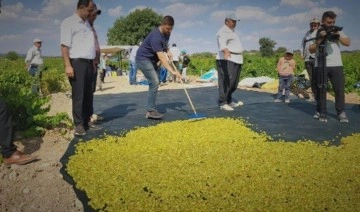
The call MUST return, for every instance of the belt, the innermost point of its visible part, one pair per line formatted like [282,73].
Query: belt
[83,60]
[235,53]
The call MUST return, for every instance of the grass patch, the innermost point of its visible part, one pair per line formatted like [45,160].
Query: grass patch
[215,164]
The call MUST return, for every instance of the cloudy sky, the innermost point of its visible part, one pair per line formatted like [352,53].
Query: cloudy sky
[196,21]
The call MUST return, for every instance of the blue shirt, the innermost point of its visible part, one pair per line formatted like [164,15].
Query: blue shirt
[154,42]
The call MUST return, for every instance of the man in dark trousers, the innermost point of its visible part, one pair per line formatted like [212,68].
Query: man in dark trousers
[78,51]
[228,61]
[9,151]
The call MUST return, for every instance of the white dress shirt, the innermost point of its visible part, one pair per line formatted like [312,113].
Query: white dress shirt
[78,36]
[33,56]
[227,38]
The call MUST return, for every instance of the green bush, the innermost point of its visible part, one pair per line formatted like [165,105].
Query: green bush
[28,108]
[12,55]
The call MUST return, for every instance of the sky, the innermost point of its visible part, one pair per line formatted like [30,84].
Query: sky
[196,21]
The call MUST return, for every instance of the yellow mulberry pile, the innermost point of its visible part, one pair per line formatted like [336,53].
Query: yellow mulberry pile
[215,164]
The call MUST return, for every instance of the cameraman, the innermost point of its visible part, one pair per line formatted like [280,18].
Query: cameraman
[331,37]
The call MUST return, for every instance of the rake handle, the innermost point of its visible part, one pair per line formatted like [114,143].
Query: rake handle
[182,83]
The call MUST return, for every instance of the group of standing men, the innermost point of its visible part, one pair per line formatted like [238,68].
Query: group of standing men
[81,54]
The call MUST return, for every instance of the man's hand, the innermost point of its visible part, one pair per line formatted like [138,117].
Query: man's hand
[69,71]
[227,54]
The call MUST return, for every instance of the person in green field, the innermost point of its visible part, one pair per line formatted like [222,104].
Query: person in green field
[34,63]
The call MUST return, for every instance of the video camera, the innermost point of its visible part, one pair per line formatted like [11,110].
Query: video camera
[330,33]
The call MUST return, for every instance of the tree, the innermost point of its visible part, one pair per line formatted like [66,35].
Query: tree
[133,28]
[266,47]
[281,50]
[12,55]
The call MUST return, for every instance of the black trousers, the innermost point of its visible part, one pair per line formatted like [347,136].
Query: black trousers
[310,68]
[228,79]
[82,91]
[6,131]
[337,79]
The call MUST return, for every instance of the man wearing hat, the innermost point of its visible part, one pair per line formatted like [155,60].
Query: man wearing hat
[308,57]
[94,117]
[229,60]
[33,62]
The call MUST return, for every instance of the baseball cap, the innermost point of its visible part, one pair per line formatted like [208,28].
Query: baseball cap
[314,20]
[290,51]
[233,17]
[37,40]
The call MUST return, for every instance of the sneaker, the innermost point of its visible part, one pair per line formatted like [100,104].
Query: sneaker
[323,119]
[79,130]
[154,115]
[236,104]
[287,100]
[92,126]
[226,107]
[343,118]
[277,100]
[316,115]
[94,118]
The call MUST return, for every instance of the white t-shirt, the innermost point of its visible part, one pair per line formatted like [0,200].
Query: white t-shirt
[175,51]
[333,52]
[133,53]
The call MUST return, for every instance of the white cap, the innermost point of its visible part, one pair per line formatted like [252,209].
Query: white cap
[290,51]
[232,16]
[37,40]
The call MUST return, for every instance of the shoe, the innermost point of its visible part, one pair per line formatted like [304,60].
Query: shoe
[323,119]
[236,104]
[95,118]
[316,115]
[154,115]
[277,100]
[79,130]
[19,158]
[343,118]
[92,126]
[226,107]
[287,100]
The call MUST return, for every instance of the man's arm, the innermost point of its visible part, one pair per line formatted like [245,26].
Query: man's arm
[164,61]
[66,56]
[344,40]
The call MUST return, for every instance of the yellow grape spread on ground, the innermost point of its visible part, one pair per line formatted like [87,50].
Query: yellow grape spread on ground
[215,164]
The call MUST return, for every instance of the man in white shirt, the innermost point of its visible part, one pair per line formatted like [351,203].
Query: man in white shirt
[132,65]
[175,51]
[229,60]
[33,57]
[308,57]
[34,62]
[78,51]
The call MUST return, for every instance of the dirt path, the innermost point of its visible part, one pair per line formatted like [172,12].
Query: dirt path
[39,186]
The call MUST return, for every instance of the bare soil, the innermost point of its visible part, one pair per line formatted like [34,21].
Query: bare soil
[39,186]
